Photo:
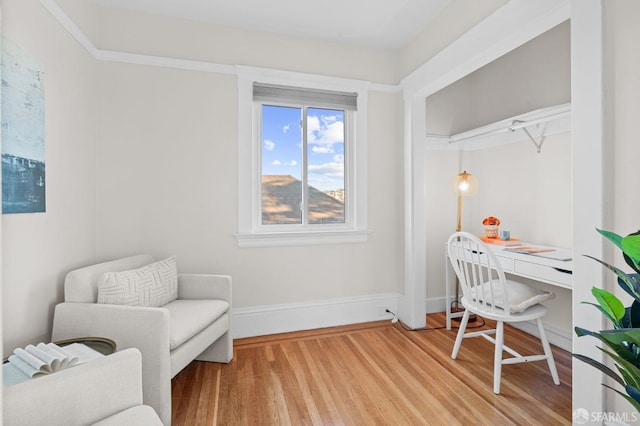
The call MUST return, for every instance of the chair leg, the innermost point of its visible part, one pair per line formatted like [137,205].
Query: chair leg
[497,357]
[548,353]
[460,336]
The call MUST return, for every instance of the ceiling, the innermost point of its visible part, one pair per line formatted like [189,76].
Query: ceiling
[387,24]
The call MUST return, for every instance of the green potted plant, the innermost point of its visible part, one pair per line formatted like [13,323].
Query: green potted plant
[622,343]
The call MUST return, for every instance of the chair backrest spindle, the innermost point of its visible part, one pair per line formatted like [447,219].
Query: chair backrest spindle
[479,273]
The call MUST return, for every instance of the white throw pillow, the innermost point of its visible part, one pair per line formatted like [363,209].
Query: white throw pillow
[155,284]
[521,296]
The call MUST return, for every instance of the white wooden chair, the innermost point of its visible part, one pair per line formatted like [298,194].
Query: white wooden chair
[486,292]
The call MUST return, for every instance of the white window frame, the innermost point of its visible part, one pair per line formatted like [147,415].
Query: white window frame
[251,232]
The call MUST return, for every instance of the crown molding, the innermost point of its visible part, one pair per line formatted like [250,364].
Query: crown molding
[162,61]
[70,26]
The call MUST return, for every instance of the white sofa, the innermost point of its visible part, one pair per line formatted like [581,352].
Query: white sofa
[105,392]
[195,326]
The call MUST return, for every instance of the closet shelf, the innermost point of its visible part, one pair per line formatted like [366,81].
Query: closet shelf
[534,126]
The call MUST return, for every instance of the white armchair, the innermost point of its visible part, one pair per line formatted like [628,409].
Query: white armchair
[105,392]
[195,326]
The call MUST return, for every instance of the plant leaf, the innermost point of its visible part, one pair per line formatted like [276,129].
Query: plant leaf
[633,263]
[622,342]
[631,247]
[582,331]
[628,284]
[630,373]
[606,313]
[631,284]
[606,370]
[611,236]
[631,259]
[610,304]
[633,392]
[632,316]
[631,401]
[613,340]
[622,335]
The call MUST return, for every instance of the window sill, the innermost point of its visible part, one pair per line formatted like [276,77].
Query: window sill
[279,239]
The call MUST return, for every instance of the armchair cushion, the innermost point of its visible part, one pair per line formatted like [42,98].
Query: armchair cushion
[190,317]
[152,285]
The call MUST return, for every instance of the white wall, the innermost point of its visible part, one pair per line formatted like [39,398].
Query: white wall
[167,168]
[529,191]
[623,108]
[167,184]
[623,87]
[39,248]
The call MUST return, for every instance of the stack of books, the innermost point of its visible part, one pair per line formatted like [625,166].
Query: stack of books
[498,241]
[44,358]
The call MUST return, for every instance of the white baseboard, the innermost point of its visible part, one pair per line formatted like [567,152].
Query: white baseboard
[436,304]
[272,319]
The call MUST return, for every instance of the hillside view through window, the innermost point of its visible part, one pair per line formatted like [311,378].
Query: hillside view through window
[303,152]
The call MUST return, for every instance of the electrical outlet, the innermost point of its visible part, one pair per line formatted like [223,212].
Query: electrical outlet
[384,311]
[394,317]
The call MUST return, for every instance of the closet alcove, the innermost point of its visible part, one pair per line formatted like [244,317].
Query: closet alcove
[508,123]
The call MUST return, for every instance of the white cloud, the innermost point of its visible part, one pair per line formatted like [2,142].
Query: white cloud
[327,176]
[269,145]
[285,129]
[324,131]
[322,149]
[333,169]
[338,158]
[324,183]
[313,124]
[286,163]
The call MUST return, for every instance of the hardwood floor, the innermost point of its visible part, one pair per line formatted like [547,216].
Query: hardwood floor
[372,374]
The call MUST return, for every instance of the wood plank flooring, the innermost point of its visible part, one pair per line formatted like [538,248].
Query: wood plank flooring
[372,374]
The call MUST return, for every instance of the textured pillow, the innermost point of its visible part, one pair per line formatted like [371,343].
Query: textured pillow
[155,284]
[521,296]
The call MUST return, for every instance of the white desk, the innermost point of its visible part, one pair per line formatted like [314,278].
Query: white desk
[536,267]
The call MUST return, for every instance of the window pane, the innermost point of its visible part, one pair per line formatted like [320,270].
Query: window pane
[281,165]
[325,172]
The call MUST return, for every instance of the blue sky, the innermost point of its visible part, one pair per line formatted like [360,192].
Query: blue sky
[282,144]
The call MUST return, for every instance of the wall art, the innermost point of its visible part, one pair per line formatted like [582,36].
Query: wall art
[23,138]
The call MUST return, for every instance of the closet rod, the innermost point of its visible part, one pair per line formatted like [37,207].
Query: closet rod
[511,125]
